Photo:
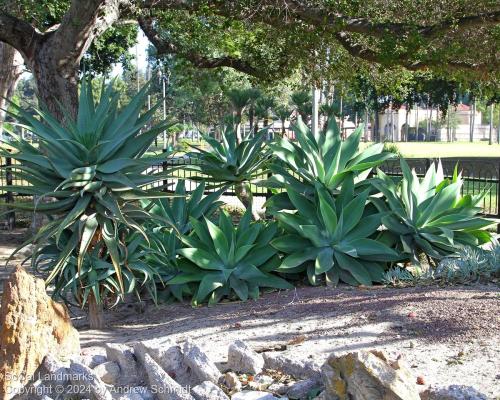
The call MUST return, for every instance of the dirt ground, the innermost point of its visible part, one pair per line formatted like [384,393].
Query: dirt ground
[448,335]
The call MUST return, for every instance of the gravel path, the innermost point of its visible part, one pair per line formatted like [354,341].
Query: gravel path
[448,335]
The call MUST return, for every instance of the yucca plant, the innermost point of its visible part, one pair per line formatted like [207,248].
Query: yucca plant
[324,159]
[87,175]
[333,237]
[232,163]
[429,216]
[224,259]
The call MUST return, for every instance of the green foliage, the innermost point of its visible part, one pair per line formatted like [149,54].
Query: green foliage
[229,161]
[97,275]
[470,264]
[467,265]
[325,159]
[174,218]
[92,170]
[302,101]
[333,236]
[429,215]
[222,259]
[392,148]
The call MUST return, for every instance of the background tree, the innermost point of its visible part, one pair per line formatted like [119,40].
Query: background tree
[265,39]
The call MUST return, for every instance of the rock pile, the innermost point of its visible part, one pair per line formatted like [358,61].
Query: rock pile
[159,369]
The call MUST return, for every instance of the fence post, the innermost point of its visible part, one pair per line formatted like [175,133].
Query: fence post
[269,193]
[498,196]
[9,197]
[164,166]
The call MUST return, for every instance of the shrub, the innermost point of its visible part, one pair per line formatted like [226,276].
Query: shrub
[325,159]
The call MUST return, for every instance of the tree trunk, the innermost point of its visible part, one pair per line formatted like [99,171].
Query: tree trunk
[95,314]
[244,194]
[11,69]
[56,88]
[251,115]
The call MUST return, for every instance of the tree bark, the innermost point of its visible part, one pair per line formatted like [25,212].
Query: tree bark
[11,69]
[95,314]
[244,194]
[54,55]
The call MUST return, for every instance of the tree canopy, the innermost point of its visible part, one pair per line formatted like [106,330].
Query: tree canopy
[267,39]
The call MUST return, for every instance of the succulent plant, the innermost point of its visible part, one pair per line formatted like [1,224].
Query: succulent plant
[429,215]
[223,259]
[333,236]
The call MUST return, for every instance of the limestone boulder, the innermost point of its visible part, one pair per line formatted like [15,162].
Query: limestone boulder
[242,358]
[366,375]
[32,326]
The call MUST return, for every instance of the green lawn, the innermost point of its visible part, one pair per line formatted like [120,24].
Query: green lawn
[444,149]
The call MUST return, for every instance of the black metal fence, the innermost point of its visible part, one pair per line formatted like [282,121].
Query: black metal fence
[478,174]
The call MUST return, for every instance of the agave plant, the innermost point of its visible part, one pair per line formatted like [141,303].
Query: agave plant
[232,163]
[90,171]
[430,216]
[324,159]
[333,237]
[96,276]
[223,259]
[175,218]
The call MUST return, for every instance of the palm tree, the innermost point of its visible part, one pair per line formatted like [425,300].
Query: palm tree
[303,103]
[240,99]
[283,113]
[254,94]
[263,110]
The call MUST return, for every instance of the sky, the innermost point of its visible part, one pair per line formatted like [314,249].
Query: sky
[140,49]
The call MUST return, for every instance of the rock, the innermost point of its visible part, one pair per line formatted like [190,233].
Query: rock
[87,384]
[130,374]
[53,371]
[200,364]
[93,360]
[161,384]
[298,368]
[133,393]
[169,356]
[364,375]
[301,389]
[453,392]
[242,358]
[109,372]
[232,382]
[208,391]
[278,388]
[262,382]
[251,395]
[32,326]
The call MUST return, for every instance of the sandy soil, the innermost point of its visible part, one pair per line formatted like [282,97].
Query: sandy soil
[448,335]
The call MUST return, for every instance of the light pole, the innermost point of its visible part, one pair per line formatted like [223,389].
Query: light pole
[164,78]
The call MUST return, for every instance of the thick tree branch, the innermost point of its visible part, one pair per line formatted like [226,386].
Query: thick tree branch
[359,51]
[164,46]
[284,11]
[82,23]
[320,16]
[19,34]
